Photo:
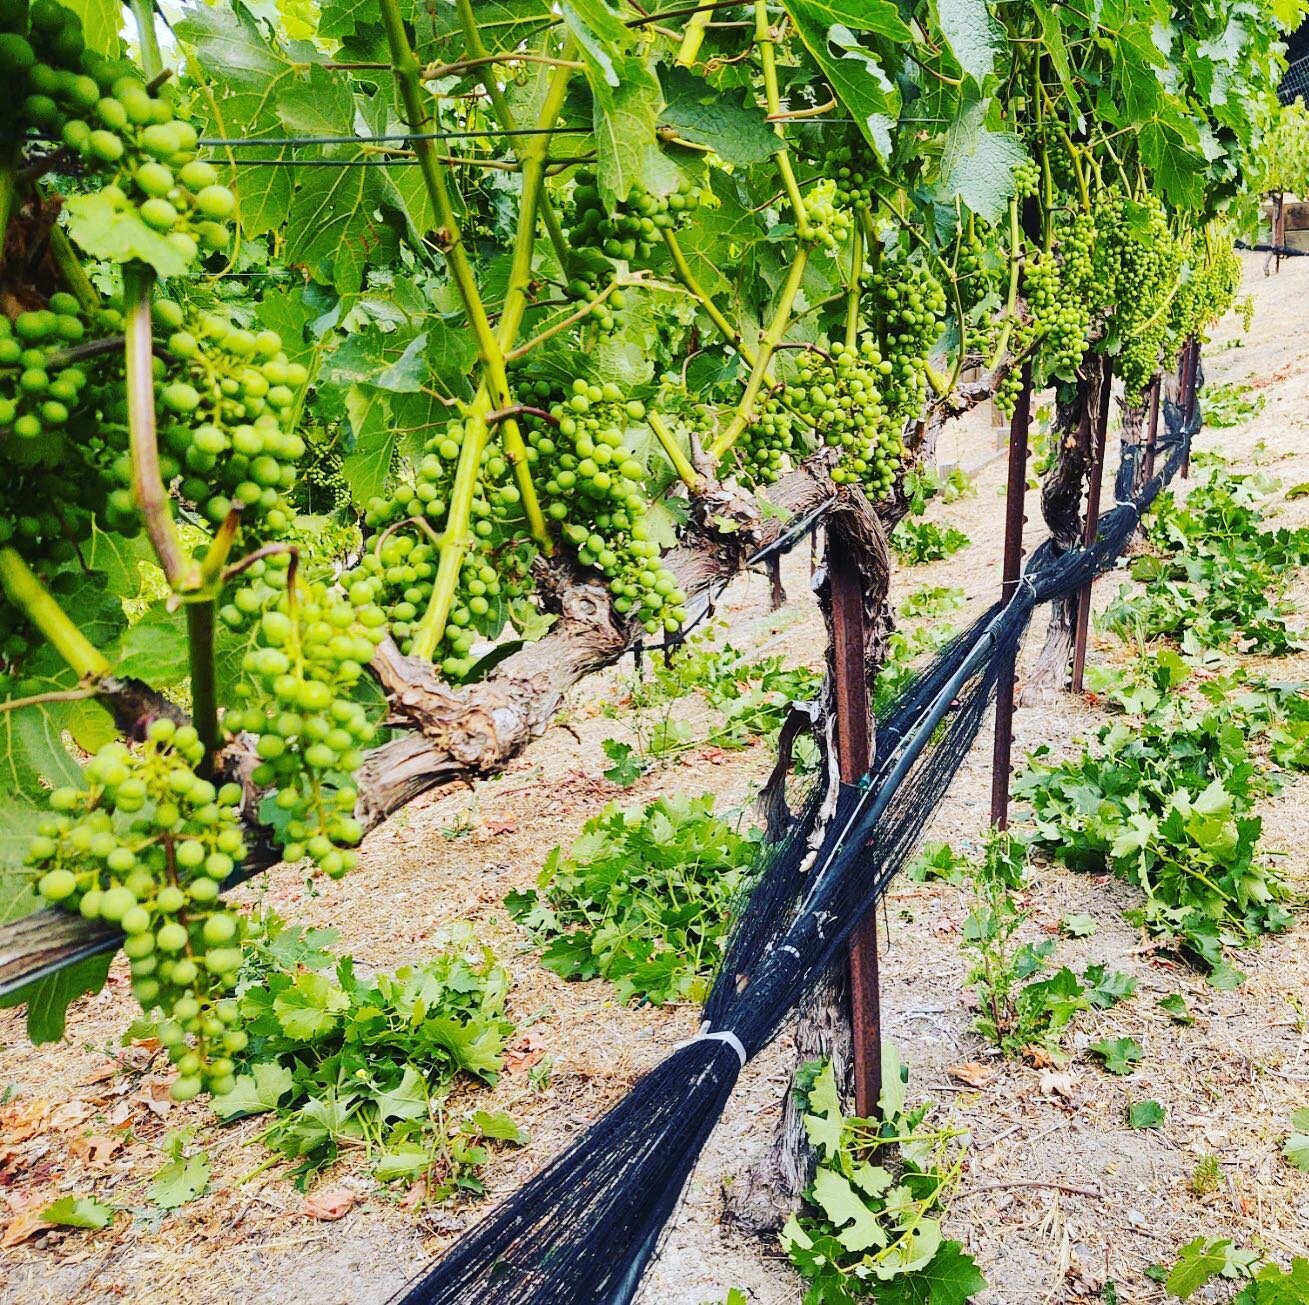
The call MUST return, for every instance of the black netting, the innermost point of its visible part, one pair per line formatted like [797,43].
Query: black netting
[583,1229]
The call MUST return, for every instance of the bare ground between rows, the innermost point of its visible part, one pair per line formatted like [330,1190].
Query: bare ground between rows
[1228,1083]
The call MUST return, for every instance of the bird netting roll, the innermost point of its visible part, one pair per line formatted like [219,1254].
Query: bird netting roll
[584,1228]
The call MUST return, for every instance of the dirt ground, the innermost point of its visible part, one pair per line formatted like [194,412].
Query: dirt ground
[1060,1195]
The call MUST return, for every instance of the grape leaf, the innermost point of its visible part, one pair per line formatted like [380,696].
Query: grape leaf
[1175,1007]
[951,1277]
[1119,1055]
[102,23]
[828,27]
[1296,1149]
[368,465]
[843,1206]
[1079,926]
[977,164]
[1197,1262]
[255,1093]
[179,1181]
[735,129]
[119,235]
[1145,1114]
[627,102]
[155,649]
[78,1212]
[48,998]
[1225,977]
[973,35]
[498,1126]
[627,767]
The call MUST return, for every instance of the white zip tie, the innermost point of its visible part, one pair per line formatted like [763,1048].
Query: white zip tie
[703,1035]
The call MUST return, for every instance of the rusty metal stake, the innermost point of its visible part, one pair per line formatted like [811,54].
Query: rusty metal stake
[854,756]
[1014,517]
[1186,396]
[1152,434]
[1092,525]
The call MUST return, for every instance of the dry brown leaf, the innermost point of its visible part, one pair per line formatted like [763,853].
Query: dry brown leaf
[1056,1083]
[95,1148]
[415,1196]
[23,1119]
[1038,1057]
[971,1072]
[328,1203]
[70,1114]
[502,826]
[526,1051]
[26,1218]
[101,1073]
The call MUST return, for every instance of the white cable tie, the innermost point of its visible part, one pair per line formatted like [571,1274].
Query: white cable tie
[786,947]
[702,1034]
[1027,580]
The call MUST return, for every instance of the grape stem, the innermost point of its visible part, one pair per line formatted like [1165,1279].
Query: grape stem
[681,464]
[571,320]
[8,190]
[214,566]
[766,39]
[32,598]
[476,432]
[693,37]
[147,482]
[152,61]
[768,343]
[682,270]
[1015,263]
[520,410]
[856,273]
[204,678]
[505,115]
[268,550]
[56,695]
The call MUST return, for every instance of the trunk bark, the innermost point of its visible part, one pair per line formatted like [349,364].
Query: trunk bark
[1061,506]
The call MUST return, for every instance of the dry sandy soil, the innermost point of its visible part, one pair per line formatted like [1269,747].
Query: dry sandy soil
[1060,1195]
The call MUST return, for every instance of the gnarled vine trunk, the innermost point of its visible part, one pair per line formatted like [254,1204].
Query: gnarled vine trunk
[1062,494]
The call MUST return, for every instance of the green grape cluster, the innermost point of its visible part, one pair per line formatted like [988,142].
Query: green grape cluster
[145,843]
[633,228]
[911,308]
[1067,328]
[399,567]
[830,224]
[224,401]
[1007,392]
[44,65]
[310,644]
[48,493]
[1208,288]
[1060,316]
[854,170]
[38,391]
[1027,179]
[593,488]
[1137,264]
[101,111]
[842,395]
[973,266]
[768,443]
